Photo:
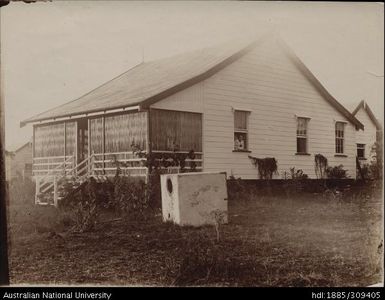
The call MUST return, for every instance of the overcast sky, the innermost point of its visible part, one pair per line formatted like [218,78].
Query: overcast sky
[54,52]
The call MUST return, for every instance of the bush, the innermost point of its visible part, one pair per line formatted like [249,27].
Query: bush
[321,165]
[294,174]
[266,166]
[376,165]
[129,197]
[336,172]
[125,195]
[294,181]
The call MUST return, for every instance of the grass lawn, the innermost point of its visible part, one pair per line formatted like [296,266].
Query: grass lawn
[306,240]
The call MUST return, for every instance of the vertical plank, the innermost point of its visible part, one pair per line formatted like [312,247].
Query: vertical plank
[76,144]
[33,141]
[65,138]
[149,135]
[55,195]
[182,129]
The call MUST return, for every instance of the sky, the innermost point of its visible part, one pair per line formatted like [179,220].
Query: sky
[54,52]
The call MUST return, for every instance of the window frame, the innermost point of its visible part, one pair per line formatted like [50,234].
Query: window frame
[303,136]
[339,148]
[242,131]
[361,147]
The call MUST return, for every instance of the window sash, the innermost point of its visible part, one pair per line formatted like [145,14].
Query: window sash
[361,150]
[240,120]
[301,144]
[241,140]
[339,137]
[302,124]
[339,145]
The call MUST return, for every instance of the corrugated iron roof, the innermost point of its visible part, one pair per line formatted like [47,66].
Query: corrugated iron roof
[152,81]
[145,80]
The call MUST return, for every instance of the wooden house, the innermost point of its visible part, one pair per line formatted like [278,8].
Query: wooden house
[19,162]
[224,103]
[366,139]
[22,161]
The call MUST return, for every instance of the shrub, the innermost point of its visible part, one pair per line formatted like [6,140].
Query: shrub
[295,174]
[336,172]
[266,166]
[294,181]
[157,163]
[321,165]
[129,197]
[83,202]
[376,165]
[126,195]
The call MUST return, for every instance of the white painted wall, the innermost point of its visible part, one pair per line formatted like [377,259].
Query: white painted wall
[268,84]
[190,99]
[368,135]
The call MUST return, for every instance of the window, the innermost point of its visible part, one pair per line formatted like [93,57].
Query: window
[302,135]
[361,150]
[240,130]
[340,137]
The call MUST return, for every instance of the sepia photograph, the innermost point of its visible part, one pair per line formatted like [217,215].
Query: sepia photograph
[191,144]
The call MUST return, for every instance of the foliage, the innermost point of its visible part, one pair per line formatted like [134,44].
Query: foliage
[336,172]
[266,166]
[294,181]
[376,164]
[164,160]
[294,174]
[321,164]
[129,197]
[126,195]
[157,163]
[82,201]
[363,171]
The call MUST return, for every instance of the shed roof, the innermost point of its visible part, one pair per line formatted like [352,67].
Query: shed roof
[152,81]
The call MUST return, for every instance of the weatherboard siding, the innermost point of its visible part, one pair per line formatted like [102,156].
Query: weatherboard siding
[190,99]
[22,157]
[266,83]
[368,135]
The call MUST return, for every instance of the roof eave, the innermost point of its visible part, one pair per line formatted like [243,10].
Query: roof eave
[88,113]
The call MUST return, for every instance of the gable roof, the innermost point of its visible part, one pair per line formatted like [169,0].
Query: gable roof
[29,144]
[152,81]
[366,107]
